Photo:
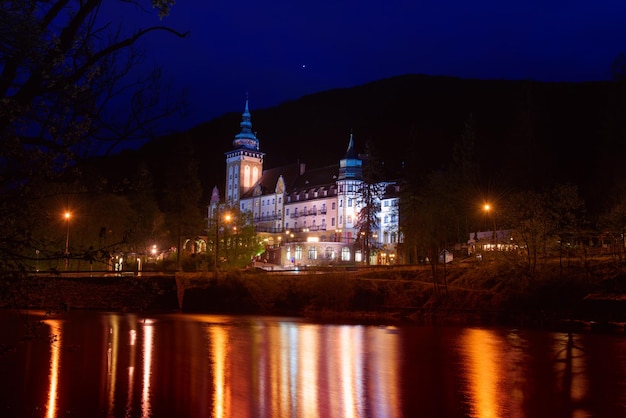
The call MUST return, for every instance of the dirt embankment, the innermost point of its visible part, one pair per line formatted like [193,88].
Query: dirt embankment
[477,293]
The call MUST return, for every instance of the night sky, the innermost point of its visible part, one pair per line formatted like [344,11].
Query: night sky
[281,50]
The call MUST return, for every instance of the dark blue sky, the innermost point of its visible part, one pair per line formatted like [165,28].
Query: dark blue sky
[281,50]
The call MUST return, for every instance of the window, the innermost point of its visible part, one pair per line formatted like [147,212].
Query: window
[386,219]
[345,254]
[287,211]
[349,202]
[286,225]
[349,219]
[386,203]
[332,221]
[341,203]
[312,253]
[280,200]
[333,206]
[298,252]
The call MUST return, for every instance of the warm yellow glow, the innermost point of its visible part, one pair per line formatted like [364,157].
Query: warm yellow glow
[218,338]
[55,366]
[131,367]
[350,350]
[484,373]
[67,215]
[148,342]
[313,239]
[112,358]
[227,217]
[307,375]
[487,207]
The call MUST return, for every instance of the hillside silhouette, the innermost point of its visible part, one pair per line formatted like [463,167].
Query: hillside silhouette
[526,133]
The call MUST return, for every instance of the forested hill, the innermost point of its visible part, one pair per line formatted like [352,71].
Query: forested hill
[526,133]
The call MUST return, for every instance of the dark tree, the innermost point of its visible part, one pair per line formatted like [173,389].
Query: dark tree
[60,72]
[370,193]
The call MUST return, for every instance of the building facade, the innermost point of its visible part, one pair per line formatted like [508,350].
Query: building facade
[308,217]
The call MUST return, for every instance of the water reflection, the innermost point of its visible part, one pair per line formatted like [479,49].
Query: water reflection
[117,365]
[55,336]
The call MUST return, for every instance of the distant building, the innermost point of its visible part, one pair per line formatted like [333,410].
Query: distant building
[499,240]
[307,217]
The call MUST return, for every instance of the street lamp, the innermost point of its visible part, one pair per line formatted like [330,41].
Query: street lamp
[67,239]
[488,208]
[227,218]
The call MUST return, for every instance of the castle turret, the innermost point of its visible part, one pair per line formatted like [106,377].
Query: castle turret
[244,164]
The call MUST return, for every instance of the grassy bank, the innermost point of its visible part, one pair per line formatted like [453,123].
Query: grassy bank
[466,293]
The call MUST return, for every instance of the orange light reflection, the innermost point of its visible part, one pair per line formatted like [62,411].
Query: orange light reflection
[218,340]
[148,342]
[483,372]
[55,365]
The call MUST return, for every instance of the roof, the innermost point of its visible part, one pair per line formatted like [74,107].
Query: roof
[270,177]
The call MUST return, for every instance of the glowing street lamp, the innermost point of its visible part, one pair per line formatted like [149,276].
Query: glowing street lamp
[67,216]
[227,218]
[487,207]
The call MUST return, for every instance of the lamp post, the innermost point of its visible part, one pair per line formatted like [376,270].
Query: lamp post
[488,208]
[227,218]
[67,239]
[217,236]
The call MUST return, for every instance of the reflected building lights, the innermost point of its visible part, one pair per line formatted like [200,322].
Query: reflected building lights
[218,342]
[112,359]
[148,341]
[483,372]
[55,366]
[131,366]
[307,373]
[351,378]
[383,376]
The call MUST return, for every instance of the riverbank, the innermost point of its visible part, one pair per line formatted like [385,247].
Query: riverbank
[486,293]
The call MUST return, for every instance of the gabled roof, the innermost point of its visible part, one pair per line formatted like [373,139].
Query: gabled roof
[317,177]
[269,179]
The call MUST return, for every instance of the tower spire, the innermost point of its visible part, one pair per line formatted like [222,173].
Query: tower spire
[350,165]
[246,138]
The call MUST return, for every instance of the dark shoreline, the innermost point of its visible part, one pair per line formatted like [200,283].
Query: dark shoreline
[341,297]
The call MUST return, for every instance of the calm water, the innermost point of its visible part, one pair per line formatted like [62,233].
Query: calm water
[89,364]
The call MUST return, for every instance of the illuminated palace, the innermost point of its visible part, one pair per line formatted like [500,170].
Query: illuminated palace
[307,217]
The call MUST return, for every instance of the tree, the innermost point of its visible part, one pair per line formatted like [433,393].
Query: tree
[59,74]
[370,193]
[180,194]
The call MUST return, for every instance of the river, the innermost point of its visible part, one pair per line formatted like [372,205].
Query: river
[98,364]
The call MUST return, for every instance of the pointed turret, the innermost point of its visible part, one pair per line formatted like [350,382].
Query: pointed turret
[246,138]
[244,164]
[351,153]
[350,165]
